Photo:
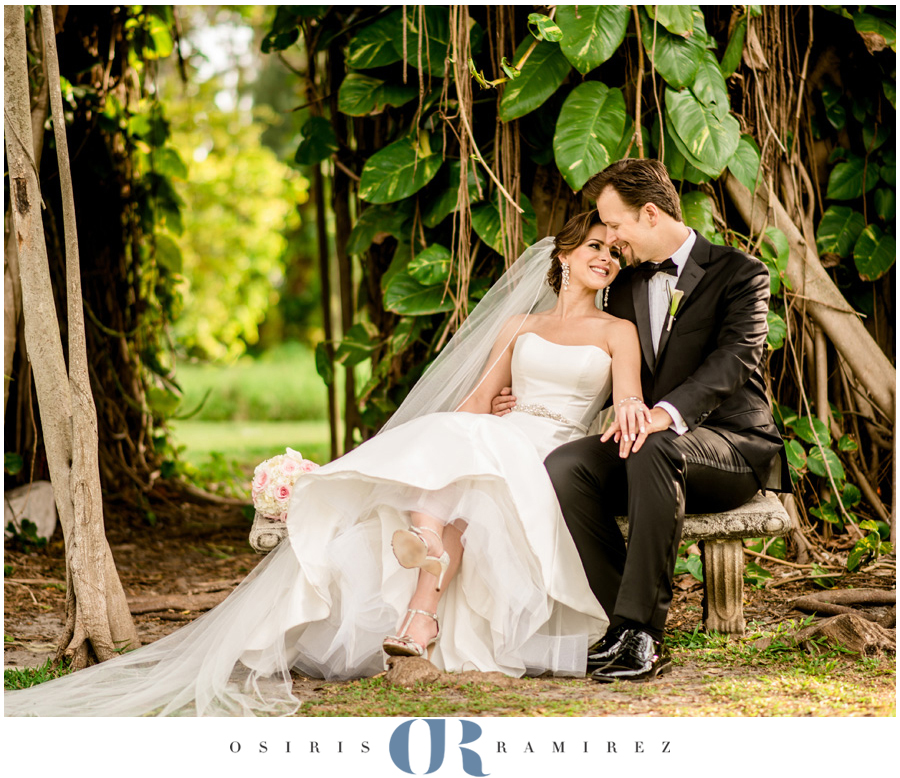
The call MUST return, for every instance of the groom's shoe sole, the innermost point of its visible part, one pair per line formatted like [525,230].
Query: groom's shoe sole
[664,667]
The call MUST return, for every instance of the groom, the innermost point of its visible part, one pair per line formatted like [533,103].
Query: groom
[700,310]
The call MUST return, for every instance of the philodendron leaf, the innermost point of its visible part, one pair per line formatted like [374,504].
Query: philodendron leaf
[874,253]
[440,206]
[709,86]
[817,459]
[744,165]
[397,171]
[541,75]
[732,56]
[404,295]
[362,95]
[547,29]
[839,230]
[379,221]
[488,225]
[886,204]
[319,142]
[435,21]
[777,330]
[707,140]
[431,266]
[677,19]
[697,209]
[676,59]
[591,33]
[373,46]
[588,131]
[796,454]
[847,177]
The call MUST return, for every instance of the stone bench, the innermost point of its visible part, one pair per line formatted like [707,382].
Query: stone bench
[723,552]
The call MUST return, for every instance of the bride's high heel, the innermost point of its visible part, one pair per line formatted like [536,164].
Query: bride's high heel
[411,550]
[404,645]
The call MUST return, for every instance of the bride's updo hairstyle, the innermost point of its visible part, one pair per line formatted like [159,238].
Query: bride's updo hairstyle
[571,236]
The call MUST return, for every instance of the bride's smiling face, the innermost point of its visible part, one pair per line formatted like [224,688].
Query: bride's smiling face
[593,263]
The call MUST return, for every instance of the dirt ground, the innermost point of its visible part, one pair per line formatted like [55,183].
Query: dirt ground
[197,560]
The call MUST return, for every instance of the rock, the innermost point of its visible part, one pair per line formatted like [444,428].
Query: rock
[407,671]
[34,502]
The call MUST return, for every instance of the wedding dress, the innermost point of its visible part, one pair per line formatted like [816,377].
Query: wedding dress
[322,602]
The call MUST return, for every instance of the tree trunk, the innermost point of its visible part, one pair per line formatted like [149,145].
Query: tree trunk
[12,290]
[97,613]
[824,302]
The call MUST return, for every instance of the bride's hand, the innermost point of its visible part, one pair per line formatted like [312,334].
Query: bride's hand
[503,403]
[631,426]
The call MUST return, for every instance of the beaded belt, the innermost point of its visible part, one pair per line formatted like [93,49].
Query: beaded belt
[536,409]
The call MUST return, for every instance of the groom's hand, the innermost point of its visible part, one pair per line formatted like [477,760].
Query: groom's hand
[658,420]
[503,403]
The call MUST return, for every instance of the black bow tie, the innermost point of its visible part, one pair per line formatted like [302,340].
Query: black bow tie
[649,269]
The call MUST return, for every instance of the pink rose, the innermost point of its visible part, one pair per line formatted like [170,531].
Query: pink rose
[282,492]
[289,466]
[308,466]
[261,479]
[283,516]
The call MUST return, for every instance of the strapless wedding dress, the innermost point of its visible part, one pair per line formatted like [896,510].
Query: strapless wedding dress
[323,601]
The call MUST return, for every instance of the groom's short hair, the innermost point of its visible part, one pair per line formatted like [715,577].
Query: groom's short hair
[637,182]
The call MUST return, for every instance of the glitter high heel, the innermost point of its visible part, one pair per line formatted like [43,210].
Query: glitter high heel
[411,550]
[404,645]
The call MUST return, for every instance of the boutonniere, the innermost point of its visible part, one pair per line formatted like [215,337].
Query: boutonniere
[675,296]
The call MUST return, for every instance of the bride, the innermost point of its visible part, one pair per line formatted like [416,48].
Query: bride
[442,532]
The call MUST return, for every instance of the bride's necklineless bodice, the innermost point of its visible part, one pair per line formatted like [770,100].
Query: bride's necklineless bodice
[568,382]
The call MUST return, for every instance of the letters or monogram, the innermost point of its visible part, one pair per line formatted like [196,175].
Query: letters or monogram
[471,761]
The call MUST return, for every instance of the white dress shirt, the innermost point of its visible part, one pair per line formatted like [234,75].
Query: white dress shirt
[658,290]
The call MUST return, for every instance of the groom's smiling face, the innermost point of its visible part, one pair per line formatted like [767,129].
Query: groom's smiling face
[630,230]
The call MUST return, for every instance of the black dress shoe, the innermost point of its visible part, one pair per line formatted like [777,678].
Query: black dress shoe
[600,654]
[640,657]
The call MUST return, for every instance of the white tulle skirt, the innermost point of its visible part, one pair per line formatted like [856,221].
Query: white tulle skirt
[323,602]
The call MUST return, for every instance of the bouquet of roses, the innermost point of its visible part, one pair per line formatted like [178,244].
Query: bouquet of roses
[273,482]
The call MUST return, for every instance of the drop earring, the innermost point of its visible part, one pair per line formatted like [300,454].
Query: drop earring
[565,274]
[606,298]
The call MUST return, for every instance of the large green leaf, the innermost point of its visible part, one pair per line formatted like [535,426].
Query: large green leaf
[676,59]
[709,86]
[374,46]
[542,74]
[874,253]
[816,459]
[796,454]
[697,209]
[886,204]
[813,430]
[319,142]
[680,169]
[846,179]
[431,266]
[591,33]
[358,344]
[677,19]
[436,43]
[488,226]
[397,171]
[878,33]
[407,296]
[708,141]
[588,131]
[839,230]
[362,95]
[744,165]
[732,56]
[777,330]
[439,207]
[380,220]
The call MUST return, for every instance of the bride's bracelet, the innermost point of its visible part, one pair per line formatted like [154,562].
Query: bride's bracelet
[630,400]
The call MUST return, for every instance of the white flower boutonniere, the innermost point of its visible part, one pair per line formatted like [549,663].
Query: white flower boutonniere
[675,296]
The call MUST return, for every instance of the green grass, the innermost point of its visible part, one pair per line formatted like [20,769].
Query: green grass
[24,677]
[281,385]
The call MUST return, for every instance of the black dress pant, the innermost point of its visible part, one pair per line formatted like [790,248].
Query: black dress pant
[699,471]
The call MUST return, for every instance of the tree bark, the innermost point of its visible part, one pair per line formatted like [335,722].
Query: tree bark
[824,302]
[12,289]
[96,600]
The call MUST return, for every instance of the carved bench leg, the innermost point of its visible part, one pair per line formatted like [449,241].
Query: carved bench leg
[723,572]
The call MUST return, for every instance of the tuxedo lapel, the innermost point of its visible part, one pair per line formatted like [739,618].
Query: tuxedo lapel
[687,283]
[640,296]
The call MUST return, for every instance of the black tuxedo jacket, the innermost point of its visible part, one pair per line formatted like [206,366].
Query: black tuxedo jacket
[707,364]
